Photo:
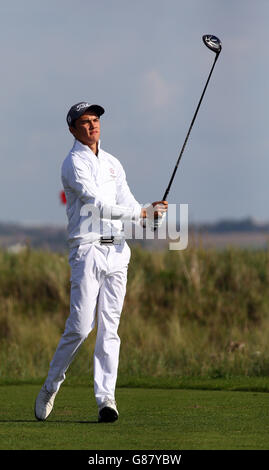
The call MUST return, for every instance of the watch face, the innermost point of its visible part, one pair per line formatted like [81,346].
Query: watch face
[212,42]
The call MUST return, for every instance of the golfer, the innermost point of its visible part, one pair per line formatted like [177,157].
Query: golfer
[98,202]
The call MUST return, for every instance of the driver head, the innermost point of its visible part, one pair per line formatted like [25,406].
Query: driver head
[212,42]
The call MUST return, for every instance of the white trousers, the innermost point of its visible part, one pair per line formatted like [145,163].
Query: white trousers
[98,286]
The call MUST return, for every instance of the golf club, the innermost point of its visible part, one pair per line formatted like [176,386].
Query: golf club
[214,44]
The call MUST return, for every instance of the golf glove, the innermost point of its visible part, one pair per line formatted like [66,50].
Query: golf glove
[156,223]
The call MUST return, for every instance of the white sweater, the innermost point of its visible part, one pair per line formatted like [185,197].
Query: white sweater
[97,194]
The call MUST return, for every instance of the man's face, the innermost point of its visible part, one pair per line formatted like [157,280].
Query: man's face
[87,129]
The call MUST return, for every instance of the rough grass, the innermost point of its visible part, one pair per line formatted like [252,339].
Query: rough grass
[195,313]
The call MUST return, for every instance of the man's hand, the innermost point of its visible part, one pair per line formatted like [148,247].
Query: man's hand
[154,214]
[156,210]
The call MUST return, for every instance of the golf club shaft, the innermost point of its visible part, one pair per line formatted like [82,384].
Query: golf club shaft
[189,131]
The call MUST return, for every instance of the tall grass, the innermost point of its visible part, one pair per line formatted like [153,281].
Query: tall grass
[192,313]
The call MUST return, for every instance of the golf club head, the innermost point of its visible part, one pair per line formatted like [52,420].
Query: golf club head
[212,42]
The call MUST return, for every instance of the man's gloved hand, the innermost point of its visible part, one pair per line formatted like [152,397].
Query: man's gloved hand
[154,215]
[157,222]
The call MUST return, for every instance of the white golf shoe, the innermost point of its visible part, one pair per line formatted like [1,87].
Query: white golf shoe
[44,403]
[108,412]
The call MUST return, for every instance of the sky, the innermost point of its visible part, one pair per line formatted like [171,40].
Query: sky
[146,64]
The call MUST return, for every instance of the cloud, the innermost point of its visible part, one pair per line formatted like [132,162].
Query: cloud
[155,91]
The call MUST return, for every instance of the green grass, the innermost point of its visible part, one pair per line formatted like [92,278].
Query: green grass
[152,419]
[194,362]
[197,313]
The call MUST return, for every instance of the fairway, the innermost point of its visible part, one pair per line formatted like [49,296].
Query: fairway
[149,419]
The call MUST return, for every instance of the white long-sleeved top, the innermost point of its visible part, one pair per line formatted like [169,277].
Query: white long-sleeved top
[98,198]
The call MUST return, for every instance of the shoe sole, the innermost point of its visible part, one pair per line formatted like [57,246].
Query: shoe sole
[40,419]
[107,415]
[36,417]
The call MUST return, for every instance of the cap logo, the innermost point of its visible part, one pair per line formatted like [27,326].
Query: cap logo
[82,106]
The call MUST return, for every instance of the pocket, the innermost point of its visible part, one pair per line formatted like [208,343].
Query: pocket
[127,250]
[77,259]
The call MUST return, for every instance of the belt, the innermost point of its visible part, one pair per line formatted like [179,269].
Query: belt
[111,240]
